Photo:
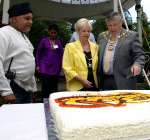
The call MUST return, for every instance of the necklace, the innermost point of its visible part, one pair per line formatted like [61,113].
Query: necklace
[52,44]
[89,59]
[111,44]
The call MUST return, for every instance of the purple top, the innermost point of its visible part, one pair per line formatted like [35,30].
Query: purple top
[49,59]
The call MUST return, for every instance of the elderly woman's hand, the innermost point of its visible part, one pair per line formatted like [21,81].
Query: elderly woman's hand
[84,82]
[87,84]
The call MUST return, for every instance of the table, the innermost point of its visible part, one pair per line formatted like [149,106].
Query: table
[23,122]
[27,122]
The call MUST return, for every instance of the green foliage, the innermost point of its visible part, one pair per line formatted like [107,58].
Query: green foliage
[146,35]
[145,31]
[99,26]
[65,32]
[40,29]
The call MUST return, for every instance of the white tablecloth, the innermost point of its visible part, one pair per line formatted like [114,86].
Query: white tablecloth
[23,122]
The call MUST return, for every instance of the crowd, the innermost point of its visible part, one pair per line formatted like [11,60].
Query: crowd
[111,63]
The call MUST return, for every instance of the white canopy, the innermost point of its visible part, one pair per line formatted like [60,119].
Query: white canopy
[70,9]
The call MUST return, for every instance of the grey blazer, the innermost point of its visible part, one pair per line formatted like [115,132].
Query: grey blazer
[128,51]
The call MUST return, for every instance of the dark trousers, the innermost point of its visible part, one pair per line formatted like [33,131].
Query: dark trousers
[109,83]
[22,96]
[49,84]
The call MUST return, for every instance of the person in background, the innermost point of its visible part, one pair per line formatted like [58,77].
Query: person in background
[17,63]
[49,61]
[121,57]
[80,60]
[75,36]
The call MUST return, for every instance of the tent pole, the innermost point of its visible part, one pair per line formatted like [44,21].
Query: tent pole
[139,27]
[139,23]
[115,4]
[123,16]
[5,16]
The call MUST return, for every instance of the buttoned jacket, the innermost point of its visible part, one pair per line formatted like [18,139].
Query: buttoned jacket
[128,51]
[74,63]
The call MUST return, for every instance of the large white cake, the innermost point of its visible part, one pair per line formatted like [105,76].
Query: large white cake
[106,115]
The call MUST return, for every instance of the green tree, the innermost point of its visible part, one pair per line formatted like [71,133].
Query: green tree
[40,29]
[99,26]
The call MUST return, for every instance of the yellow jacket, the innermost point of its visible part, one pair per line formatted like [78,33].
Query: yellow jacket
[74,63]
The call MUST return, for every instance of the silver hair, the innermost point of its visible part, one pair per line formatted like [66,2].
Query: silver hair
[81,23]
[114,16]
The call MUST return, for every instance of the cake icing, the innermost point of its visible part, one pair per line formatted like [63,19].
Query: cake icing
[115,115]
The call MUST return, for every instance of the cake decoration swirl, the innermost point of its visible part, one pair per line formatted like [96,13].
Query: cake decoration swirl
[97,101]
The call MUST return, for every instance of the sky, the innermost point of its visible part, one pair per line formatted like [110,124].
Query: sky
[146,8]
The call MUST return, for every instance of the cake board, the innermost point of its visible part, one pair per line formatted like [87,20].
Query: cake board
[52,134]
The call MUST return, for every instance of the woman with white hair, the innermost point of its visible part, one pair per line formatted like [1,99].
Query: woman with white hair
[80,60]
[75,36]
